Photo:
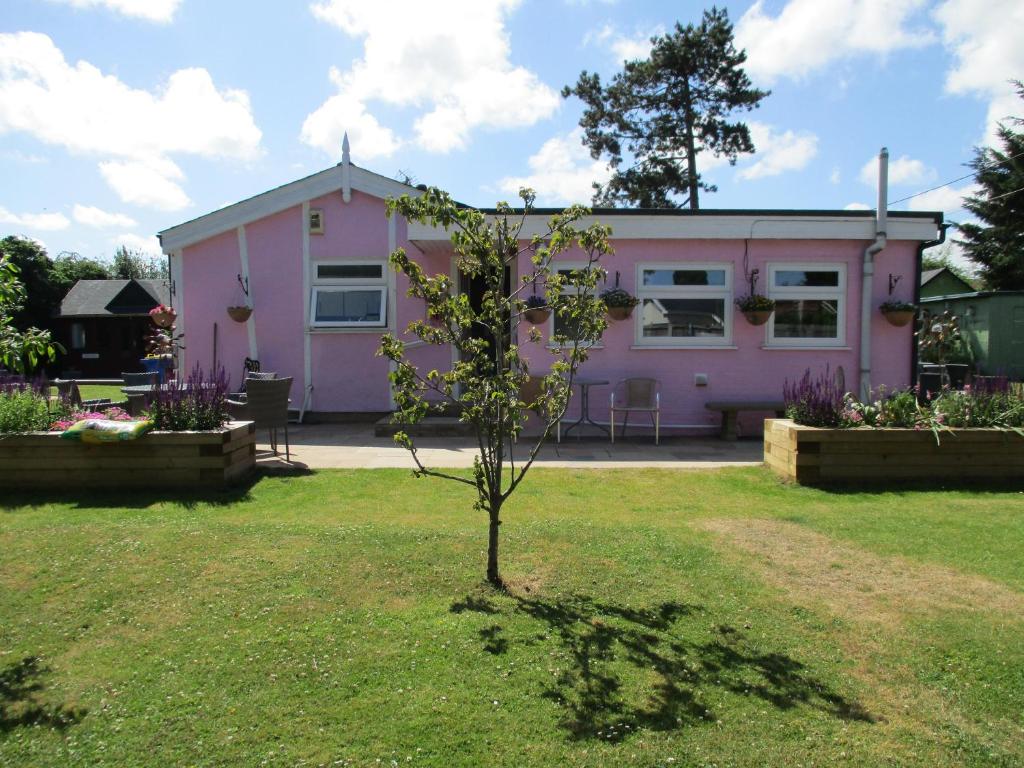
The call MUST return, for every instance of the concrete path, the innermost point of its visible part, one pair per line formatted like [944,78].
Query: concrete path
[323,446]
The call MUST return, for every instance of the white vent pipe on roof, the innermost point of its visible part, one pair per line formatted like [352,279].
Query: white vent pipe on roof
[866,297]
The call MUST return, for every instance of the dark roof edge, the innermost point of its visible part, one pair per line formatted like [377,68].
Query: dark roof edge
[937,216]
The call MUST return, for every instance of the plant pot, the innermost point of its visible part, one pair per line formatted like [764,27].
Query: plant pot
[899,318]
[536,315]
[957,374]
[758,316]
[239,314]
[163,319]
[619,313]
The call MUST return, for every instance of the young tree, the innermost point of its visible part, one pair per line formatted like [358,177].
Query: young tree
[997,246]
[491,385]
[135,265]
[20,350]
[665,110]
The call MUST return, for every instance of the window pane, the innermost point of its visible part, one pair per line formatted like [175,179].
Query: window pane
[670,277]
[801,278]
[350,271]
[352,306]
[809,319]
[683,318]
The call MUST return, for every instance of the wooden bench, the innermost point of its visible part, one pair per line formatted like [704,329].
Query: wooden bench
[730,408]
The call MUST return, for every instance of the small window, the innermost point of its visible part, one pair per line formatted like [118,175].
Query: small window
[561,325]
[77,336]
[349,294]
[684,305]
[348,306]
[810,305]
[361,271]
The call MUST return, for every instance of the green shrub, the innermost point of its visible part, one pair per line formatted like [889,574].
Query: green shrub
[24,410]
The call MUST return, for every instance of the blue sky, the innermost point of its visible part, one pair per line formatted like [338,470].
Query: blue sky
[119,118]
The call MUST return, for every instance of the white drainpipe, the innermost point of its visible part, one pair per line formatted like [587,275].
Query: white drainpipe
[867,299]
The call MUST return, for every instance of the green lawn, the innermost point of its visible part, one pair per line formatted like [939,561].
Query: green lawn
[655,618]
[110,392]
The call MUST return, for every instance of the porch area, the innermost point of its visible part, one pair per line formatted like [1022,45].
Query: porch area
[355,446]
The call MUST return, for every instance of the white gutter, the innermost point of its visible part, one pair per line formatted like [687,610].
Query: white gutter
[866,297]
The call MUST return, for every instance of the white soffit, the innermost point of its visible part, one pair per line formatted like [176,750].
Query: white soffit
[724,226]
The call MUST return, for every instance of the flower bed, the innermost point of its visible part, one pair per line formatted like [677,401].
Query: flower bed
[867,455]
[208,458]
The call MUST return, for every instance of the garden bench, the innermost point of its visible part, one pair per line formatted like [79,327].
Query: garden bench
[730,408]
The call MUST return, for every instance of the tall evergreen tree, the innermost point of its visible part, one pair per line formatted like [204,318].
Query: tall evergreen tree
[661,112]
[997,245]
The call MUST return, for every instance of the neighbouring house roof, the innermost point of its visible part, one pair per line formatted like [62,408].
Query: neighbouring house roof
[949,276]
[633,222]
[114,298]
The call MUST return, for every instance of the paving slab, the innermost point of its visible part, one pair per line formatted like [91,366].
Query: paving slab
[354,446]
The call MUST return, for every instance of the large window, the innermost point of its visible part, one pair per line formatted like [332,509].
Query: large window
[684,305]
[810,305]
[349,295]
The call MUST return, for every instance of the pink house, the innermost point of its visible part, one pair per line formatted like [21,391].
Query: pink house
[313,254]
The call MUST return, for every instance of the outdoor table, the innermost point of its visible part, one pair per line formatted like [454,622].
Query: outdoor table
[585,384]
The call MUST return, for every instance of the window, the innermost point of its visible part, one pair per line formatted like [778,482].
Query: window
[77,336]
[684,306]
[810,305]
[349,295]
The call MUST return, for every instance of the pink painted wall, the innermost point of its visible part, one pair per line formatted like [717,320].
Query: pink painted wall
[750,371]
[349,377]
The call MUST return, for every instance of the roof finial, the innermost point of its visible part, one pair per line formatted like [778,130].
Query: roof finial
[346,170]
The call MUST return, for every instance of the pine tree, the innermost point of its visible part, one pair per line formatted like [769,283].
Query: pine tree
[661,112]
[997,245]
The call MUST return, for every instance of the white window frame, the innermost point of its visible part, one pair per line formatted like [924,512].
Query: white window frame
[335,284]
[562,266]
[809,292]
[724,292]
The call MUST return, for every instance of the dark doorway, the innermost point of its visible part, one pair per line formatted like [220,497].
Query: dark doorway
[474,288]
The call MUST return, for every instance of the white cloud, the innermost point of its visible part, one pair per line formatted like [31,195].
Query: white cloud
[903,171]
[835,177]
[147,183]
[449,59]
[47,222]
[562,172]
[80,108]
[856,207]
[147,245]
[807,35]
[151,10]
[986,44]
[949,200]
[778,151]
[91,216]
[624,47]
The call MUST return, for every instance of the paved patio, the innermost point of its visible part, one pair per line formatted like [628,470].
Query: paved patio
[351,446]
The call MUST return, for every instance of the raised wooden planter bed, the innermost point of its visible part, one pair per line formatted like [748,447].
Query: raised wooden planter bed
[157,460]
[812,455]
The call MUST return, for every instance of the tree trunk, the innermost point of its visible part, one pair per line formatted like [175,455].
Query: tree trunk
[492,549]
[691,150]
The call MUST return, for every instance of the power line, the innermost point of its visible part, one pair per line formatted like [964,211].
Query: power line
[961,178]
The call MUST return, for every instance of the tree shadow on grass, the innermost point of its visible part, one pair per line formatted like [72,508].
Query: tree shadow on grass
[600,695]
[21,705]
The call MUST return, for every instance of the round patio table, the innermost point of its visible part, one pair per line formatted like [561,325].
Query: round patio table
[585,384]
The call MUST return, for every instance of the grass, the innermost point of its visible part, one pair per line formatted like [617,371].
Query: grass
[654,618]
[110,392]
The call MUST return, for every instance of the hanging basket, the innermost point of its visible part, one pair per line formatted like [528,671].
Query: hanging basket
[899,317]
[619,313]
[239,314]
[163,319]
[537,315]
[758,316]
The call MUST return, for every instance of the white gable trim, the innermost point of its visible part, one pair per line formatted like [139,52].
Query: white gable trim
[277,200]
